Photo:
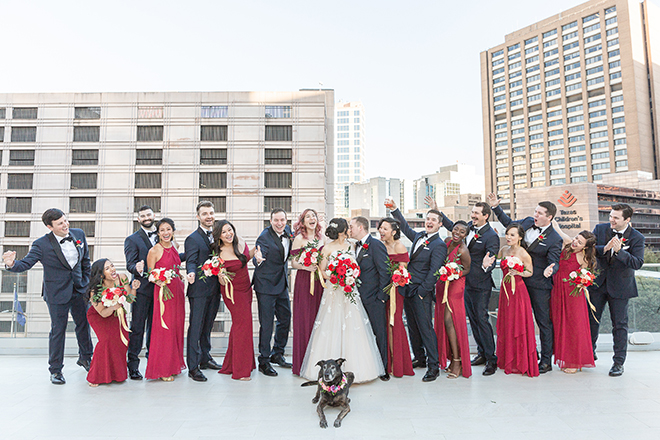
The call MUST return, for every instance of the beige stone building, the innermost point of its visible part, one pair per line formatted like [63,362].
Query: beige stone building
[98,156]
[572,98]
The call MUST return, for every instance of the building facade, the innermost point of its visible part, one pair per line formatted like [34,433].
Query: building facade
[450,180]
[99,156]
[571,98]
[370,195]
[350,150]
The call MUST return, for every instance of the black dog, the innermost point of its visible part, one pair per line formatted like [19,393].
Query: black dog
[332,390]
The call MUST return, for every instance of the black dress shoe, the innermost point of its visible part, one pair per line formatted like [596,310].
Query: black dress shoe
[57,379]
[490,369]
[418,363]
[616,370]
[267,369]
[544,368]
[431,375]
[85,363]
[279,360]
[595,357]
[135,374]
[479,360]
[211,365]
[385,377]
[197,375]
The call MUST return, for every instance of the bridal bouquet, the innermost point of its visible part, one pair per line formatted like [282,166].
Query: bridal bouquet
[513,263]
[215,266]
[400,277]
[580,279]
[110,297]
[343,272]
[165,276]
[449,272]
[310,255]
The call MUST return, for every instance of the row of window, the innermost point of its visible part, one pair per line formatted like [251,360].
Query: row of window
[149,112]
[207,156]
[151,133]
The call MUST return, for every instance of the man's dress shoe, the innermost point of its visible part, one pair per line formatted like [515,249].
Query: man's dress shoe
[479,360]
[279,360]
[491,368]
[385,377]
[544,368]
[211,365]
[616,370]
[85,363]
[197,375]
[431,375]
[135,374]
[57,379]
[418,363]
[267,369]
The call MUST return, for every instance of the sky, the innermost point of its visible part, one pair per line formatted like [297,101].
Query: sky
[414,66]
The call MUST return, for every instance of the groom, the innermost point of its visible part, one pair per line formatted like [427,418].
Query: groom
[64,256]
[271,285]
[371,256]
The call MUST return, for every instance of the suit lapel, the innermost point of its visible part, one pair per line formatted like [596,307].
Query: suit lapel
[474,239]
[205,238]
[360,254]
[145,238]
[278,241]
[58,250]
[419,249]
[78,248]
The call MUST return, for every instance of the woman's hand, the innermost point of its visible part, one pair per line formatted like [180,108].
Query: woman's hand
[159,283]
[135,284]
[222,280]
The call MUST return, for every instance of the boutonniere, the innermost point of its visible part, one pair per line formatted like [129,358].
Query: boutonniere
[78,243]
[623,240]
[365,246]
[426,242]
[476,236]
[541,237]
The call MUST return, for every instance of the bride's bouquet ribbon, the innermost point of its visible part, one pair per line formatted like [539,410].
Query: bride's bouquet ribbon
[591,306]
[445,296]
[121,315]
[312,278]
[162,307]
[229,287]
[392,304]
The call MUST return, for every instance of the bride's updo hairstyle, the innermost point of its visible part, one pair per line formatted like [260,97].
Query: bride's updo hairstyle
[335,227]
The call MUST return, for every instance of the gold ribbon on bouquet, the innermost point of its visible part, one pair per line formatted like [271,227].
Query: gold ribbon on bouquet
[591,306]
[229,287]
[312,276]
[392,303]
[162,307]
[513,286]
[121,315]
[445,296]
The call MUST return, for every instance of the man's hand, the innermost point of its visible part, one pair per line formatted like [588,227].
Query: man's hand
[191,278]
[610,244]
[389,203]
[549,270]
[616,244]
[488,260]
[431,203]
[135,284]
[258,256]
[9,257]
[139,267]
[493,200]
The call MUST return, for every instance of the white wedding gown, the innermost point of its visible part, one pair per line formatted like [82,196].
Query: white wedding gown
[342,330]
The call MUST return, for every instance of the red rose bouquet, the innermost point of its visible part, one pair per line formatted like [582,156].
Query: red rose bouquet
[165,276]
[343,272]
[310,255]
[449,272]
[400,277]
[110,297]
[513,263]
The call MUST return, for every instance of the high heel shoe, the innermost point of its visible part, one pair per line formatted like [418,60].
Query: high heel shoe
[451,375]
[167,379]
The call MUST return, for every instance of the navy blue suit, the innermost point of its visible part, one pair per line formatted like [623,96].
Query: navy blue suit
[64,290]
[615,284]
[136,248]
[271,283]
[374,278]
[479,286]
[544,253]
[204,299]
[420,293]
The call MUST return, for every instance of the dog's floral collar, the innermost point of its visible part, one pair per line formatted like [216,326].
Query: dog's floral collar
[334,389]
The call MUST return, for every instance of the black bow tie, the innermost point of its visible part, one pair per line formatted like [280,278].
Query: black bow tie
[67,238]
[209,233]
[537,228]
[617,234]
[151,234]
[474,228]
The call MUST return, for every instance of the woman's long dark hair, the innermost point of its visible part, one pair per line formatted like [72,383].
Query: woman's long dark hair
[521,233]
[589,250]
[217,241]
[95,278]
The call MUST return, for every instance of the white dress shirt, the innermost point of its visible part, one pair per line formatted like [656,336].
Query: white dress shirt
[206,231]
[152,238]
[473,233]
[532,234]
[421,241]
[69,250]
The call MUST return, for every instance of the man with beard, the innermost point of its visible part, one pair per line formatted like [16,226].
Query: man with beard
[136,248]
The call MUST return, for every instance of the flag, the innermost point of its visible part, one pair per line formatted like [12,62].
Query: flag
[20,316]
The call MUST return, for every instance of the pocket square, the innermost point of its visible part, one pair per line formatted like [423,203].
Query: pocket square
[542,244]
[625,248]
[479,241]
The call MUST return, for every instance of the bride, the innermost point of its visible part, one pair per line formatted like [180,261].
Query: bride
[341,328]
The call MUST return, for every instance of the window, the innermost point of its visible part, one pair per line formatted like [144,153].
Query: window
[569,36]
[610,10]
[573,76]
[514,65]
[591,49]
[24,113]
[576,149]
[620,142]
[216,156]
[86,134]
[517,102]
[557,162]
[594,70]
[598,124]
[613,42]
[574,87]
[519,149]
[557,181]
[514,56]
[515,84]
[498,80]
[517,122]
[219,202]
[17,229]
[593,60]
[88,227]
[569,26]
[513,47]
[210,133]
[531,40]
[518,131]
[19,181]
[533,78]
[620,152]
[2,113]
[620,130]
[535,127]
[501,144]
[2,133]
[578,179]
[272,202]
[571,66]
[576,118]
[612,31]
[213,180]
[601,166]
[551,63]
[278,111]
[593,82]
[550,53]
[552,93]
[24,134]
[596,104]
[613,53]
[19,205]
[615,75]
[579,169]
[82,204]
[154,202]
[83,180]
[549,33]
[578,159]
[556,152]
[603,155]
[499,89]
[500,126]
[277,180]
[592,38]
[498,71]
[621,163]
[598,134]
[598,113]
[617,109]
[614,64]
[556,132]
[148,180]
[279,133]
[87,113]
[277,156]
[495,99]
[570,56]
[530,50]
[21,157]
[576,138]
[150,112]
[149,133]
[85,157]
[148,157]
[598,145]
[591,28]
[536,136]
[556,142]
[610,21]
[215,111]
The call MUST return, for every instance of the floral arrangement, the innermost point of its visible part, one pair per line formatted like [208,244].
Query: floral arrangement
[165,276]
[343,272]
[399,278]
[513,263]
[310,255]
[452,270]
[215,266]
[110,297]
[580,279]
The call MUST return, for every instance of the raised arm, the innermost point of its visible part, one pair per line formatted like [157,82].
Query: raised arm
[26,263]
[405,228]
[564,236]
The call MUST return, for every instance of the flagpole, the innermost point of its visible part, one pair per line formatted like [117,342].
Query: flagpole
[13,313]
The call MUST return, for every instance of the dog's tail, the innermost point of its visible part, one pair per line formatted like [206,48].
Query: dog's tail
[309,383]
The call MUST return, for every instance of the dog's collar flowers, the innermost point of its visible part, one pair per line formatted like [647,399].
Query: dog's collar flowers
[334,389]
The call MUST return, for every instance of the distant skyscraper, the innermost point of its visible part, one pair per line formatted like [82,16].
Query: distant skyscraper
[572,97]
[372,193]
[450,180]
[350,150]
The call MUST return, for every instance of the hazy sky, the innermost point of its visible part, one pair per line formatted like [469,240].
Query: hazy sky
[414,66]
